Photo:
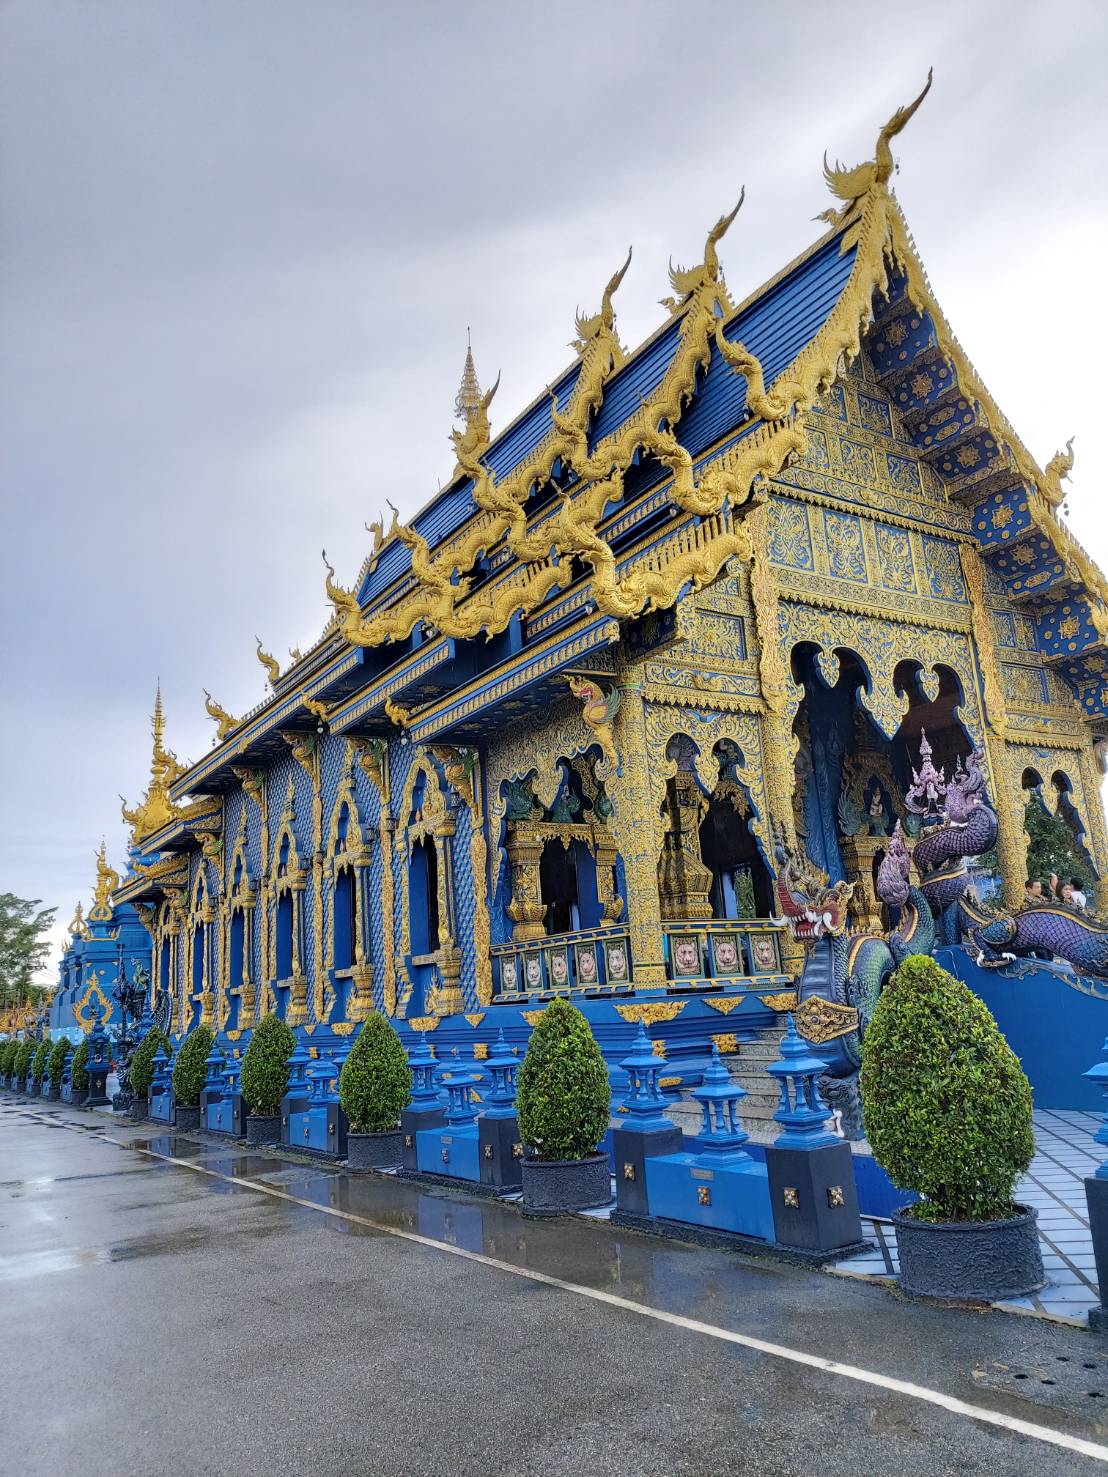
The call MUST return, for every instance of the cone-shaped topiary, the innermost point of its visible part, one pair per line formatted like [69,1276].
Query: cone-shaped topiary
[375,1084]
[946,1105]
[564,1099]
[23,1061]
[38,1061]
[8,1054]
[55,1065]
[265,1067]
[142,1063]
[191,1067]
[78,1076]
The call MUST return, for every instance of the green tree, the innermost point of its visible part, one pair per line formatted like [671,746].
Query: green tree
[191,1067]
[142,1063]
[946,1105]
[55,1067]
[375,1084]
[38,1061]
[78,1075]
[1053,848]
[24,949]
[265,1067]
[564,1099]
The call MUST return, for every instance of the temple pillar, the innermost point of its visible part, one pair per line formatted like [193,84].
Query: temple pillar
[1091,780]
[634,826]
[526,908]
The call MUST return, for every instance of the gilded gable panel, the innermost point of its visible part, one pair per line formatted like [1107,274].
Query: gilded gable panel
[903,474]
[894,557]
[1023,686]
[857,461]
[1004,627]
[874,415]
[944,569]
[846,556]
[790,538]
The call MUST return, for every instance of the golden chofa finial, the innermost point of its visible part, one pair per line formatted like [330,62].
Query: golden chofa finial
[605,320]
[78,928]
[270,663]
[471,406]
[688,280]
[107,880]
[1059,466]
[850,185]
[225,723]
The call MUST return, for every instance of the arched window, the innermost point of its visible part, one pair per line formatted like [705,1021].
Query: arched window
[283,936]
[345,919]
[237,947]
[424,896]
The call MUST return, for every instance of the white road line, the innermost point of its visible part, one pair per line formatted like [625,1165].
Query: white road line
[676,1320]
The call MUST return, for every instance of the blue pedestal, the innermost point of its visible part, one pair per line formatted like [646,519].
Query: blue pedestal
[449,1151]
[725,1197]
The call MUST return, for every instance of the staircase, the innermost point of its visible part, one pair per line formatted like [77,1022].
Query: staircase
[747,1065]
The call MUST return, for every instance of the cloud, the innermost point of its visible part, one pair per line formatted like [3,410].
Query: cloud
[242,245]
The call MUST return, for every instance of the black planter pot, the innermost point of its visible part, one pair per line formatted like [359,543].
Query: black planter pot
[50,1093]
[554,1186]
[186,1119]
[986,1260]
[265,1128]
[374,1150]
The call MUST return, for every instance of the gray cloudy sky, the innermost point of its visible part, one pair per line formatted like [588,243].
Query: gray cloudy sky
[241,243]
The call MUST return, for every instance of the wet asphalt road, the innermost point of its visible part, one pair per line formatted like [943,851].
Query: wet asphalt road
[154,1320]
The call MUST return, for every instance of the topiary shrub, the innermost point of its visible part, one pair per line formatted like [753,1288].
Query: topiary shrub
[8,1053]
[946,1105]
[24,1058]
[38,1061]
[191,1067]
[78,1075]
[142,1063]
[55,1063]
[265,1067]
[375,1084]
[564,1099]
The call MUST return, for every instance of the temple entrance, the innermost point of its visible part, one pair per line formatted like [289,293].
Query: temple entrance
[741,886]
[558,887]
[851,778]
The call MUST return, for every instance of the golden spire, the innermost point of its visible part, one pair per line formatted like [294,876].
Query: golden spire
[78,928]
[156,809]
[468,397]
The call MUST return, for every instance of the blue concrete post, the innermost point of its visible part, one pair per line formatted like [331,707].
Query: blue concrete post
[298,1092]
[501,1149]
[1096,1197]
[811,1170]
[99,1065]
[426,1107]
[211,1094]
[644,1129]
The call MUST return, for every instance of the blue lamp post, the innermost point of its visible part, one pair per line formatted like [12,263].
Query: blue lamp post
[98,1065]
[722,1136]
[499,1145]
[425,1110]
[643,1129]
[811,1170]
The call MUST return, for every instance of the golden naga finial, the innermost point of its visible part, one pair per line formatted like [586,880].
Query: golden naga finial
[296,654]
[850,185]
[107,880]
[315,707]
[270,663]
[225,723]
[605,320]
[156,809]
[347,609]
[687,280]
[1059,466]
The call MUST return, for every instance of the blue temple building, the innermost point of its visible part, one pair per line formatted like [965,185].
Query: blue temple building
[706,601]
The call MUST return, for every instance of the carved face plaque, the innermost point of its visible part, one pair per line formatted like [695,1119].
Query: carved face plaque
[559,969]
[764,954]
[686,957]
[617,962]
[532,970]
[726,952]
[509,974]
[586,967]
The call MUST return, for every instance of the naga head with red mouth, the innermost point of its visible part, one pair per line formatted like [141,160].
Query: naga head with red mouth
[814,907]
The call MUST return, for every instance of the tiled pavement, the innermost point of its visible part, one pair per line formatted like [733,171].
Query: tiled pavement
[1065,1155]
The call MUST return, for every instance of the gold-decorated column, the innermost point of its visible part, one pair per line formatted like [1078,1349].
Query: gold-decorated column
[635,829]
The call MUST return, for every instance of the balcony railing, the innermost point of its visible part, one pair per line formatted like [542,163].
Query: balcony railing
[592,961]
[704,955]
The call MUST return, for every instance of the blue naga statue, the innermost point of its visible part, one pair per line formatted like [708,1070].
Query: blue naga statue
[844,973]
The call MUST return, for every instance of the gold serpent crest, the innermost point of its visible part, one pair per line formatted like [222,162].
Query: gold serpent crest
[223,720]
